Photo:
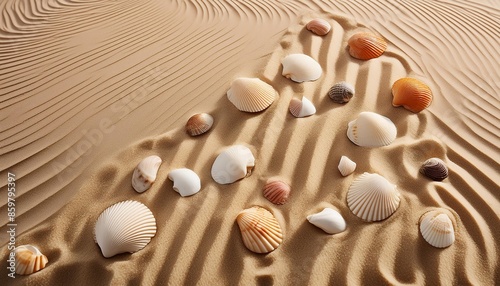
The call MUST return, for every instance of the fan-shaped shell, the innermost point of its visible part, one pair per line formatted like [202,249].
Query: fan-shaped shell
[329,220]
[346,166]
[260,231]
[300,68]
[371,130]
[145,173]
[127,226]
[276,191]
[372,198]
[199,124]
[29,259]
[435,169]
[319,27]
[366,46]
[301,108]
[186,181]
[412,94]
[341,92]
[234,163]
[437,228]
[251,94]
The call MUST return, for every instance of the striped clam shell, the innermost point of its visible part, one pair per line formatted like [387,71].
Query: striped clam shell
[301,107]
[276,191]
[260,231]
[341,92]
[251,94]
[29,259]
[435,169]
[437,229]
[366,46]
[199,123]
[412,94]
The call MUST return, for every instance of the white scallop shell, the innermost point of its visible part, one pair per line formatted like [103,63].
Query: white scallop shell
[371,130]
[127,226]
[300,68]
[260,230]
[302,108]
[329,220]
[437,229]
[186,181]
[145,173]
[346,166]
[372,198]
[29,259]
[251,94]
[234,163]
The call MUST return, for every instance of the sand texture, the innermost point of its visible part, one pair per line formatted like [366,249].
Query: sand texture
[90,88]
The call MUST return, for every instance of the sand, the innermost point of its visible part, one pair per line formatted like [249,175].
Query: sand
[88,89]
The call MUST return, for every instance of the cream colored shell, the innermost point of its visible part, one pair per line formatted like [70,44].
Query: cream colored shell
[371,130]
[301,108]
[300,68]
[346,166]
[233,164]
[145,173]
[251,94]
[186,181]
[29,259]
[260,231]
[329,220]
[437,228]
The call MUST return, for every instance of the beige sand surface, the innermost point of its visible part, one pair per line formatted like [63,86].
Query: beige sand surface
[89,88]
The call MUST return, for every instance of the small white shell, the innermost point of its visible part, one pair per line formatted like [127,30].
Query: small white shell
[302,108]
[234,163]
[186,181]
[29,259]
[127,226]
[437,229]
[251,94]
[199,123]
[300,68]
[346,166]
[145,173]
[329,220]
[371,130]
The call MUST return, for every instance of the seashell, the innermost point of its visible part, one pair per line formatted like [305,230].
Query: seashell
[199,124]
[29,259]
[276,191]
[366,46]
[127,226]
[319,27]
[437,229]
[186,181]
[412,94]
[372,198]
[251,94]
[145,173]
[329,220]
[346,166]
[260,231]
[435,169]
[234,163]
[301,108]
[371,130]
[341,92]
[300,68]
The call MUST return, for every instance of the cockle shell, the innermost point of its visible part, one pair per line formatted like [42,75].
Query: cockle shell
[372,198]
[435,169]
[346,166]
[276,191]
[301,108]
[300,68]
[251,94]
[437,228]
[29,259]
[366,46]
[319,27]
[199,124]
[329,220]
[260,231]
[341,92]
[186,181]
[371,130]
[234,163]
[145,173]
[412,94]
[127,226]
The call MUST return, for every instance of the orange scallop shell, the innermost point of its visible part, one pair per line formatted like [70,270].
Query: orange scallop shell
[412,94]
[366,46]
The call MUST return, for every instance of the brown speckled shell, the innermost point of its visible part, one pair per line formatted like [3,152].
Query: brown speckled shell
[319,27]
[341,92]
[366,46]
[199,124]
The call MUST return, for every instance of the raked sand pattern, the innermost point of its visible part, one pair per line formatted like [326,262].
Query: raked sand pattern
[198,240]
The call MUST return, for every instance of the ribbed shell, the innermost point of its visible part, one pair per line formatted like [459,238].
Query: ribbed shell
[341,92]
[301,108]
[366,46]
[300,68]
[371,130]
[260,231]
[372,198]
[232,164]
[412,94]
[276,191]
[199,124]
[186,181]
[251,94]
[435,169]
[437,229]
[319,27]
[346,166]
[145,173]
[329,220]
[29,259]
[127,226]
